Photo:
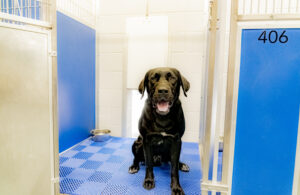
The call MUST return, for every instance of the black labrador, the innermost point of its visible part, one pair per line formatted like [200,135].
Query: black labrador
[161,126]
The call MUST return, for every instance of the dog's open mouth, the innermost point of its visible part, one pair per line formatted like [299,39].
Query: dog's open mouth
[163,107]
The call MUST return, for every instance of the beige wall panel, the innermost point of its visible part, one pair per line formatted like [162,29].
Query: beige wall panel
[24,113]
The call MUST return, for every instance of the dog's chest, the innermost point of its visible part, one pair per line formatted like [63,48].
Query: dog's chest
[161,144]
[163,125]
[163,134]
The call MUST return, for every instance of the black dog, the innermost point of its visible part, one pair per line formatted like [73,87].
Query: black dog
[161,126]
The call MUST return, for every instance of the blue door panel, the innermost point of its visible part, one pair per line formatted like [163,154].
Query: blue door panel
[267,114]
[76,80]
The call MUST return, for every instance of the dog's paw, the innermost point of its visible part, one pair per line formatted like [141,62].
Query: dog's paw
[177,190]
[184,167]
[133,169]
[149,183]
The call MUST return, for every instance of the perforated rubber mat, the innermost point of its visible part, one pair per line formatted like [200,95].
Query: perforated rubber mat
[94,168]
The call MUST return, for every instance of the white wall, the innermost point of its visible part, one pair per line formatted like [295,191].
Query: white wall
[83,11]
[147,46]
[186,51]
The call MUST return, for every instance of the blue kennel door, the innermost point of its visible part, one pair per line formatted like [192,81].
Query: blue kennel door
[267,113]
[76,45]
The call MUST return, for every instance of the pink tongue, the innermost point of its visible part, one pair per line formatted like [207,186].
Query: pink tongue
[163,106]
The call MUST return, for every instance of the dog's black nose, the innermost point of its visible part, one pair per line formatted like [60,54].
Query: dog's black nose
[163,90]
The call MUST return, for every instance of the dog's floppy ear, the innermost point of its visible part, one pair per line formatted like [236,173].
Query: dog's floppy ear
[143,84]
[183,82]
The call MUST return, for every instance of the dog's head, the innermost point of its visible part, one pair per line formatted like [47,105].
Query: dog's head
[163,88]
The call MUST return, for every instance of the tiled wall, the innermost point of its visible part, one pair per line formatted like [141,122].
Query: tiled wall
[187,47]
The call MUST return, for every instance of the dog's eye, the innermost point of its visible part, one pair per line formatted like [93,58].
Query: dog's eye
[155,77]
[170,77]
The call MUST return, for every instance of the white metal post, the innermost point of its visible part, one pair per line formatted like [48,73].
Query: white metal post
[228,128]
[210,84]
[55,150]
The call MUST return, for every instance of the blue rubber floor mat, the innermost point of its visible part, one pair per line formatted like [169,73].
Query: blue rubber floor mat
[94,168]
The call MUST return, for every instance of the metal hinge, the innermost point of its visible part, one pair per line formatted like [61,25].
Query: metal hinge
[213,18]
[55,180]
[53,53]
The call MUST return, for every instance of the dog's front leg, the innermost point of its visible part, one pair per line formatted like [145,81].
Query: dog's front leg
[149,177]
[175,154]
